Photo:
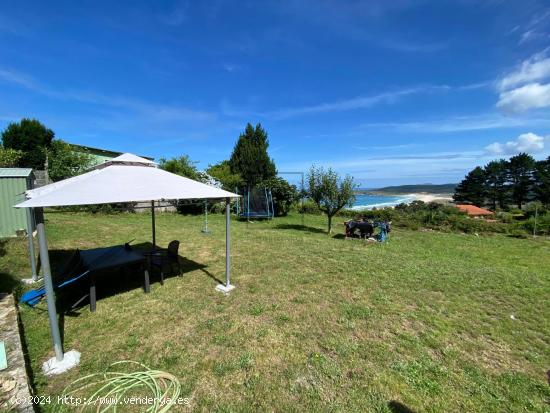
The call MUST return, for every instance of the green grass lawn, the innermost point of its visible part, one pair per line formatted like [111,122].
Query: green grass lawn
[315,323]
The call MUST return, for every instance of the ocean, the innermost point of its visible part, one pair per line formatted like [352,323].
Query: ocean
[367,201]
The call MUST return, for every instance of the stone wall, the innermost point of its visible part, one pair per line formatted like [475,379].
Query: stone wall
[14,385]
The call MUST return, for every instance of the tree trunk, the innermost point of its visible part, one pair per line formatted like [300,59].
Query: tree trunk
[329,224]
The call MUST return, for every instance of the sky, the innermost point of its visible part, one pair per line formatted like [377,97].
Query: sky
[390,92]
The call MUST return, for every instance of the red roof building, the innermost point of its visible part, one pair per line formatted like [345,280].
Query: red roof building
[474,211]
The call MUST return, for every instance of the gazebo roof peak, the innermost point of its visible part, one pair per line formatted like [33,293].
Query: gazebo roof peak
[126,159]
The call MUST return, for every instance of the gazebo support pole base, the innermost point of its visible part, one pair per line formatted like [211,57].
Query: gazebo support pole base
[54,366]
[226,289]
[28,281]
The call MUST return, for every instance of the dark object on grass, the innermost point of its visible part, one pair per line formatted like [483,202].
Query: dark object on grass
[366,229]
[89,264]
[161,258]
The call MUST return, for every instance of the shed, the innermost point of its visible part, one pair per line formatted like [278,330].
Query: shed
[13,184]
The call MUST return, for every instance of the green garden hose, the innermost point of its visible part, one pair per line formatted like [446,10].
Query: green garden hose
[154,391]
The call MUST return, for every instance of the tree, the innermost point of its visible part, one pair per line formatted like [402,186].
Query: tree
[542,181]
[222,172]
[284,195]
[250,158]
[64,162]
[329,192]
[495,183]
[182,165]
[521,169]
[9,158]
[472,188]
[30,137]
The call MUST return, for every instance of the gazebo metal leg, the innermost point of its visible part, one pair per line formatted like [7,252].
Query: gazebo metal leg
[227,287]
[146,286]
[153,227]
[50,294]
[93,296]
[31,244]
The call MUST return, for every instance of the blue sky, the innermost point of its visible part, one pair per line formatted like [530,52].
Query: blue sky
[391,92]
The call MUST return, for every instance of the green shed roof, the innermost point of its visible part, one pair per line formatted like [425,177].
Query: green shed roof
[15,172]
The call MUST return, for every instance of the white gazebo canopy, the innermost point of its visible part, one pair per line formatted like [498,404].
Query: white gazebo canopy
[126,178]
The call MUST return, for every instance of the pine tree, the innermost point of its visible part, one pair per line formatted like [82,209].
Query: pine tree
[472,188]
[521,169]
[495,183]
[250,158]
[542,181]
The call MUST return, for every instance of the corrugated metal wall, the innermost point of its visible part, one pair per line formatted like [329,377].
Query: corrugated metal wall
[12,191]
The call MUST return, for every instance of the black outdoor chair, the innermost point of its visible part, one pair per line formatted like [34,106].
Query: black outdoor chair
[162,258]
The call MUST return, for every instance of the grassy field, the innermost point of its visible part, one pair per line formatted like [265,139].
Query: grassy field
[421,323]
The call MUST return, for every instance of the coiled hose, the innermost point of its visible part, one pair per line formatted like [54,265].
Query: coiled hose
[157,390]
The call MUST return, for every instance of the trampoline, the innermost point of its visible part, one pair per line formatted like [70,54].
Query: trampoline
[256,203]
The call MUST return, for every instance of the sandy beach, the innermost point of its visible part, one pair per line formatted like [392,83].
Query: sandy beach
[425,197]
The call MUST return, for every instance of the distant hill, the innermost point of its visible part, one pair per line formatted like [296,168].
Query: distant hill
[411,189]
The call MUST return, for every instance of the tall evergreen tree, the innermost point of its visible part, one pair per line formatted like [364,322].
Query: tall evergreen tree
[250,158]
[542,181]
[495,183]
[472,188]
[30,137]
[521,169]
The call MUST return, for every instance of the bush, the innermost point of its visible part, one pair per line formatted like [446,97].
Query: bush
[64,162]
[284,194]
[431,215]
[190,207]
[99,209]
[309,207]
[543,224]
[9,158]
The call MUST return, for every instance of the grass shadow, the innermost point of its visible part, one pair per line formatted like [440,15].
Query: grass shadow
[339,236]
[8,283]
[28,363]
[398,407]
[109,282]
[204,270]
[3,243]
[299,227]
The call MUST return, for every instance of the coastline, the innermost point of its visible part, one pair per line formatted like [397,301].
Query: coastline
[407,199]
[426,197]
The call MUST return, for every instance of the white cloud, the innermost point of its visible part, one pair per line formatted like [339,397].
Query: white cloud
[526,87]
[156,111]
[460,124]
[361,102]
[524,98]
[526,142]
[537,67]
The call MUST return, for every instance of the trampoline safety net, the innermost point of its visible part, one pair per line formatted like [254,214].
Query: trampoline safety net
[255,203]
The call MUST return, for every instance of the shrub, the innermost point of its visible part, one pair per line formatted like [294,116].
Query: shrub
[309,207]
[542,227]
[9,158]
[284,194]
